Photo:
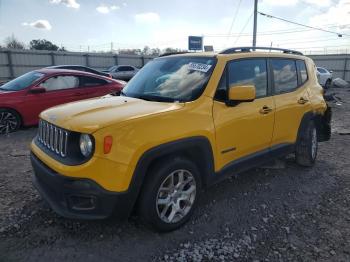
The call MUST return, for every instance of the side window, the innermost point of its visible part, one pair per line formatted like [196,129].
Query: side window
[60,82]
[302,72]
[249,72]
[321,70]
[91,81]
[285,75]
[125,68]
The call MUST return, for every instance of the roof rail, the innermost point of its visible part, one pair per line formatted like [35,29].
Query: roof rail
[173,53]
[250,48]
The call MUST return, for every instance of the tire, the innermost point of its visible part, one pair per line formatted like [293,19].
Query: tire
[306,147]
[10,121]
[328,83]
[169,208]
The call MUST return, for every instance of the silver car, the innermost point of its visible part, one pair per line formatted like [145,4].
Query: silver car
[123,72]
[324,77]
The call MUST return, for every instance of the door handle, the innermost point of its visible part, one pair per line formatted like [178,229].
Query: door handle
[302,100]
[265,110]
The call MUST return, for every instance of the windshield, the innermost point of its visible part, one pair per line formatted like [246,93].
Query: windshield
[171,79]
[22,82]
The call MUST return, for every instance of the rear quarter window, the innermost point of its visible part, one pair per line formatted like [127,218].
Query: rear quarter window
[91,81]
[302,71]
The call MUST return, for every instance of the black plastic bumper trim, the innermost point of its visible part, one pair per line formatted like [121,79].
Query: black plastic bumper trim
[57,190]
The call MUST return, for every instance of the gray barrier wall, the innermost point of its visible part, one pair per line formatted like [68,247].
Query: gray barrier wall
[339,64]
[14,63]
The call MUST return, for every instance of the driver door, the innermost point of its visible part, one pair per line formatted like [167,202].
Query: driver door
[245,129]
[59,90]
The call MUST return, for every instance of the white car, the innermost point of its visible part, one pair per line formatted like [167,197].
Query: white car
[123,72]
[324,77]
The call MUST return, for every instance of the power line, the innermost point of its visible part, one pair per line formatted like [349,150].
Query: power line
[234,17]
[243,28]
[314,28]
[321,47]
[290,41]
[274,32]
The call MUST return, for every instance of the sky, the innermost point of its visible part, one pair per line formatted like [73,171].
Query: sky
[104,25]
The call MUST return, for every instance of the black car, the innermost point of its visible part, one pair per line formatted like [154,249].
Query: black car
[80,68]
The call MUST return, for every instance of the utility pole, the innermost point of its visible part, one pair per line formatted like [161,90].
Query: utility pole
[255,21]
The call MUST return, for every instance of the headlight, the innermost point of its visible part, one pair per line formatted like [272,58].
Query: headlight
[85,144]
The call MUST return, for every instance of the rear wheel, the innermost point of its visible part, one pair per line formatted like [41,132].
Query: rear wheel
[9,121]
[170,194]
[306,147]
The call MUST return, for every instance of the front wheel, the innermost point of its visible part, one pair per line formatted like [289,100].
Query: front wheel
[170,194]
[9,121]
[328,84]
[307,145]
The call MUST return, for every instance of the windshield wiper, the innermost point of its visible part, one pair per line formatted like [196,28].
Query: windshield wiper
[155,98]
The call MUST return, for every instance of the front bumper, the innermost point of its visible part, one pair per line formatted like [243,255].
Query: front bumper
[76,198]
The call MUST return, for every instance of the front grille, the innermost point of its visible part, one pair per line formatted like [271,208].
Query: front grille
[52,137]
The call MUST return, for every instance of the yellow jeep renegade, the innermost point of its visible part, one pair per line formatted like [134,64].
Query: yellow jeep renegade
[184,122]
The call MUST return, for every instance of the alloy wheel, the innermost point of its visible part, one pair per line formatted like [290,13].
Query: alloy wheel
[8,122]
[176,196]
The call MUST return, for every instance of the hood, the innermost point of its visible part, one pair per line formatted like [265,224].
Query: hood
[91,115]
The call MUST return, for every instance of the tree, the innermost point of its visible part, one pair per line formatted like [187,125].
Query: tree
[12,43]
[42,44]
[155,52]
[150,51]
[130,51]
[146,50]
[172,50]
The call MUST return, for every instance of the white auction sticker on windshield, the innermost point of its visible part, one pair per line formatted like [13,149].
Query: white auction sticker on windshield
[199,67]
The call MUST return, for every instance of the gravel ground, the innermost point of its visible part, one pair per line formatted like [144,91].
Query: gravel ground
[279,213]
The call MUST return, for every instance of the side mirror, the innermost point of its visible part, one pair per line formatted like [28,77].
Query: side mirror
[37,90]
[331,71]
[237,94]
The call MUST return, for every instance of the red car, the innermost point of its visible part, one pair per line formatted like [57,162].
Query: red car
[22,99]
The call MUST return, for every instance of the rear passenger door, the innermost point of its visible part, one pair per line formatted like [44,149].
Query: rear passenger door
[246,128]
[290,81]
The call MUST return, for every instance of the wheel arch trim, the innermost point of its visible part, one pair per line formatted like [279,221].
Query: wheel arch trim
[322,122]
[204,154]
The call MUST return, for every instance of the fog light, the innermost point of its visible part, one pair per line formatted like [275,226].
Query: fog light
[82,202]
